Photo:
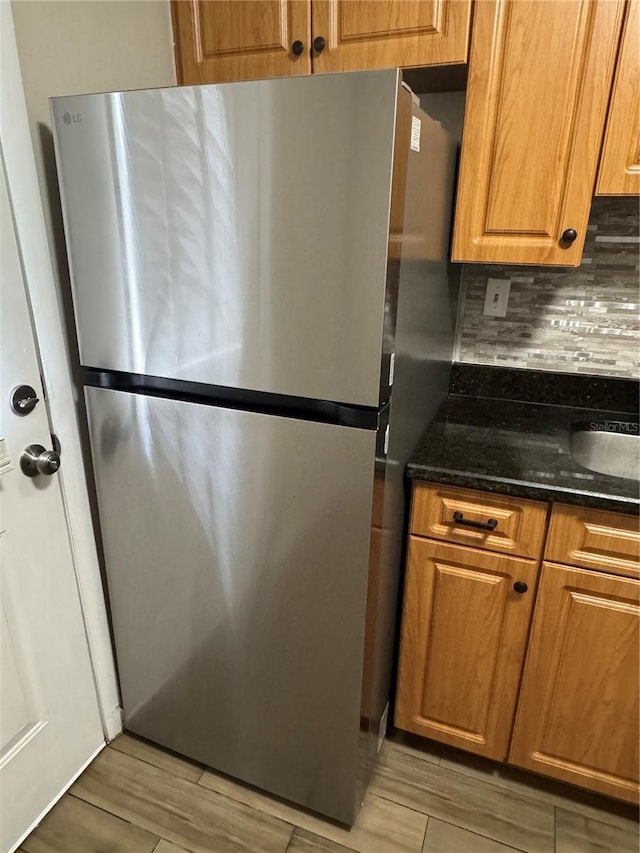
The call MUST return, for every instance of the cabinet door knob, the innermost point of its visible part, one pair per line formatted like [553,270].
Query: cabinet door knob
[568,236]
[319,44]
[297,47]
[520,587]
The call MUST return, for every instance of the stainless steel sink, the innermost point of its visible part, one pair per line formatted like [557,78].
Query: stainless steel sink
[608,447]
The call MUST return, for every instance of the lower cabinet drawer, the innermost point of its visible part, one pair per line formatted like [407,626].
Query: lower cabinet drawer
[578,711]
[594,539]
[465,624]
[501,523]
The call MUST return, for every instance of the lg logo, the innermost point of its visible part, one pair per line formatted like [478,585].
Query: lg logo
[72,118]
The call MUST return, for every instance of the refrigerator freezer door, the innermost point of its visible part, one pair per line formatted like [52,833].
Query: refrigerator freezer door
[236,549]
[233,234]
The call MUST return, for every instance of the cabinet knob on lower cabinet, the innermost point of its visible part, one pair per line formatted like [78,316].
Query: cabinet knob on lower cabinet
[568,237]
[319,44]
[520,587]
[297,47]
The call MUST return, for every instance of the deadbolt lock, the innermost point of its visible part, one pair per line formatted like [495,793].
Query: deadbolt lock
[23,399]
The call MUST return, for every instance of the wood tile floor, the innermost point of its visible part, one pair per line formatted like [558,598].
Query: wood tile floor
[138,798]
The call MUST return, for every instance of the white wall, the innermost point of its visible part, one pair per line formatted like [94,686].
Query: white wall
[71,47]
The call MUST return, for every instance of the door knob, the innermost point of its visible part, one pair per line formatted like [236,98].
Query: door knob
[319,44]
[297,47]
[35,460]
[520,587]
[569,236]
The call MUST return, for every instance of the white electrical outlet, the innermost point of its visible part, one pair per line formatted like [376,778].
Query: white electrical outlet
[496,297]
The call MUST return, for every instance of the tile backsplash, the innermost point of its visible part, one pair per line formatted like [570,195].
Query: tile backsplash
[580,320]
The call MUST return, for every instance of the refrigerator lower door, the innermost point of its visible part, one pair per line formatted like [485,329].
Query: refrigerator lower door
[236,549]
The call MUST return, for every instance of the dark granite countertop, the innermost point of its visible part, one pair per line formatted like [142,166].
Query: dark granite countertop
[517,448]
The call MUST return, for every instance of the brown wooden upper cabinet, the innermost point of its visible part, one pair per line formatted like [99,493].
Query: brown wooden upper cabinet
[620,164]
[539,82]
[220,40]
[361,34]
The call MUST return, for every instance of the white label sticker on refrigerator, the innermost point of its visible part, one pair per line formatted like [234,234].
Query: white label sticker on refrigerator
[392,367]
[386,440]
[416,127]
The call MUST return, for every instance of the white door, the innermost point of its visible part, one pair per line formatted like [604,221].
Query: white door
[49,719]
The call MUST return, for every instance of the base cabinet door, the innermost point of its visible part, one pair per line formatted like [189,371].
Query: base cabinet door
[464,631]
[221,40]
[578,712]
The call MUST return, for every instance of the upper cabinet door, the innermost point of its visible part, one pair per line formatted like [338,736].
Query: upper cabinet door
[220,40]
[620,165]
[363,34]
[539,82]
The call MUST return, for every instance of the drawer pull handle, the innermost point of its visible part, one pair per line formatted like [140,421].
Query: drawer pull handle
[489,524]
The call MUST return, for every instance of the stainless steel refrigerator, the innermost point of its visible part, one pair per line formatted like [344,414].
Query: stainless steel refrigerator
[264,319]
